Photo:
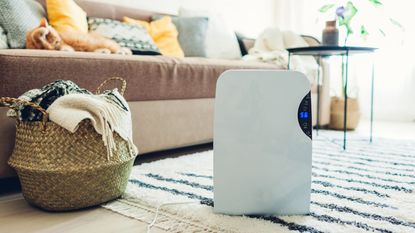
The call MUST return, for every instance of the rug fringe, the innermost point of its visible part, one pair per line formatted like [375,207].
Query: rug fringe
[165,221]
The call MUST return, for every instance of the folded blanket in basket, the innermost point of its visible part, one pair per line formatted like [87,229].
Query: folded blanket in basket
[44,97]
[108,112]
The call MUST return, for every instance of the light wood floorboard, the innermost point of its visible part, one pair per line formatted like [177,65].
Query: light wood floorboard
[16,216]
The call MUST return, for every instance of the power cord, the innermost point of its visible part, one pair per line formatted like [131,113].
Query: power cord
[166,204]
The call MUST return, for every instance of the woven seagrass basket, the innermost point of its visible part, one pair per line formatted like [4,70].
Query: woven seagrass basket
[60,170]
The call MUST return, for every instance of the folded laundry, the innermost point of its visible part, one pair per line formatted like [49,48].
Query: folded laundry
[108,113]
[43,97]
[68,105]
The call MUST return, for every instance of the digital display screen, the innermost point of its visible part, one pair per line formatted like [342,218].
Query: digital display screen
[303,115]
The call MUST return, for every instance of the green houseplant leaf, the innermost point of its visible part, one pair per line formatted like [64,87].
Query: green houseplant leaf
[346,12]
[363,31]
[326,7]
[396,23]
[351,11]
[375,2]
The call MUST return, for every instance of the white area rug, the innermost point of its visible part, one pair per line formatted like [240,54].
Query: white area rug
[369,187]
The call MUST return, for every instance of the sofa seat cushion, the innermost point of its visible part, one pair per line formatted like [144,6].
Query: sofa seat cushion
[148,77]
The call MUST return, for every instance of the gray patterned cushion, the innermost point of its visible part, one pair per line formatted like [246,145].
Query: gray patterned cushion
[131,36]
[3,39]
[19,17]
[192,34]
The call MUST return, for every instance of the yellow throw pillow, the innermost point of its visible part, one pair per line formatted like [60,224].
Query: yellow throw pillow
[164,34]
[66,15]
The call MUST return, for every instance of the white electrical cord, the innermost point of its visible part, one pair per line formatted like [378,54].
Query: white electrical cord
[166,204]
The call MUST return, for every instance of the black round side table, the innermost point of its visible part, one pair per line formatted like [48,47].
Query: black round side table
[344,51]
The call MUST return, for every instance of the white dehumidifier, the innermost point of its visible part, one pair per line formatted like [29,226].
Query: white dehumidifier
[262,143]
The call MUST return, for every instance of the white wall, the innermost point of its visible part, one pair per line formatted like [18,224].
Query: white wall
[299,16]
[394,70]
[248,17]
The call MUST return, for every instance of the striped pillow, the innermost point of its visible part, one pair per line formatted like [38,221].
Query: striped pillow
[130,36]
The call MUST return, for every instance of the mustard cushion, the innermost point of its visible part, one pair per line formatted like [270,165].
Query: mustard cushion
[66,15]
[164,34]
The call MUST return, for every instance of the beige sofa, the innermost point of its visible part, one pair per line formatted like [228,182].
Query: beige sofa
[172,99]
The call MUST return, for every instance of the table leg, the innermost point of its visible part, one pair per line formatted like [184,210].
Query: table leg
[345,99]
[289,60]
[371,100]
[318,97]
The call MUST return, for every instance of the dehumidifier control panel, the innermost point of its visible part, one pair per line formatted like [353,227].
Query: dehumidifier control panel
[304,115]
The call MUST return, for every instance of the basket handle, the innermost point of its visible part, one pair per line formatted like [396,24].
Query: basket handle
[123,85]
[8,101]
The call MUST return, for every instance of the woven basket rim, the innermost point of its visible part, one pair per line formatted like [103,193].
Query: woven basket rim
[47,170]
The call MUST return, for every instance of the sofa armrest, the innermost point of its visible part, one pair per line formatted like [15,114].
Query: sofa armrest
[246,43]
[310,40]
[325,99]
[324,83]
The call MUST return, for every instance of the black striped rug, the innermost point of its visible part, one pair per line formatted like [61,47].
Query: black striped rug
[369,187]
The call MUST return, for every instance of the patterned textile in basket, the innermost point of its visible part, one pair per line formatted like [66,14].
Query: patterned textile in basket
[60,170]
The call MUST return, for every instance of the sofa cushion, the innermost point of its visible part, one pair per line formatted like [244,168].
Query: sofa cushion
[3,39]
[164,34]
[134,37]
[17,18]
[192,34]
[148,77]
[221,41]
[100,9]
[66,16]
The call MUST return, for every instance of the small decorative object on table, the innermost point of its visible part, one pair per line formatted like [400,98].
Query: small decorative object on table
[60,170]
[346,10]
[330,33]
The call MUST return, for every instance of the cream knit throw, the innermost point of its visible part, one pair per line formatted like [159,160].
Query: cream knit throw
[271,47]
[106,117]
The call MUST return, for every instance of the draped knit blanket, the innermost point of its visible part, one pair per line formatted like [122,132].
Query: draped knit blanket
[367,188]
[271,47]
[108,113]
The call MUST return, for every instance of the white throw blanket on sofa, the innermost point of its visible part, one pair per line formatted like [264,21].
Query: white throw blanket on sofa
[271,45]
[106,116]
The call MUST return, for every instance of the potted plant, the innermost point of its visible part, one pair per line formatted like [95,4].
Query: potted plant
[345,14]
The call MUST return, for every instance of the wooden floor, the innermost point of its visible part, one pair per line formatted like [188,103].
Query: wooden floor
[16,216]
